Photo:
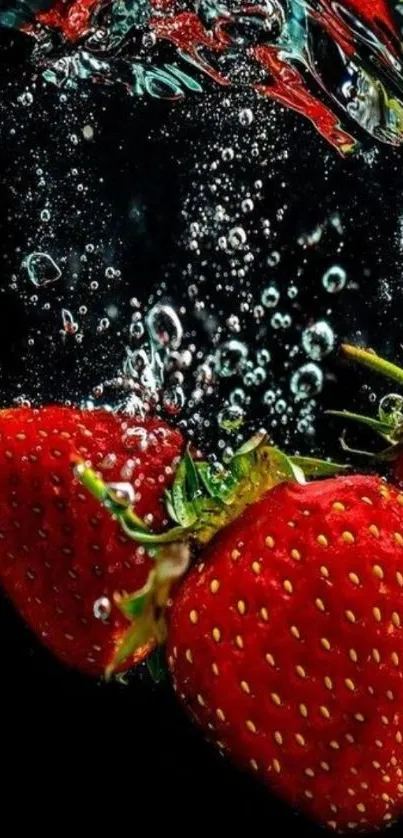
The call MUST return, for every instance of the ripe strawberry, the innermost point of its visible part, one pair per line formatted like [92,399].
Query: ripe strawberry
[286,645]
[62,557]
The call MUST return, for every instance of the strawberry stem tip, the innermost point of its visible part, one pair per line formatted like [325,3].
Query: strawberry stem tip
[203,499]
[369,358]
[388,425]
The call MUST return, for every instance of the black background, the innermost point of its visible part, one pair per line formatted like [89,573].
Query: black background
[128,754]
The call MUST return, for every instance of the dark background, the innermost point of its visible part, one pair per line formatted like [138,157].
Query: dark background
[128,754]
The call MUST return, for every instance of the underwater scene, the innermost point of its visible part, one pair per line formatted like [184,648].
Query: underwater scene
[201,414]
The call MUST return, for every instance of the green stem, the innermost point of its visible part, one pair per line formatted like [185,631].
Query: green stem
[96,486]
[374,362]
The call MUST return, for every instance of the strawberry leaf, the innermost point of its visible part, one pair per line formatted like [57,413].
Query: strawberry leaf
[184,510]
[133,605]
[283,467]
[192,480]
[381,428]
[318,468]
[156,665]
[220,485]
[169,506]
[243,459]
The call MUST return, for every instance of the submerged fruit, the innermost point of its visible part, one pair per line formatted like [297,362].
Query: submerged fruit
[62,556]
[286,645]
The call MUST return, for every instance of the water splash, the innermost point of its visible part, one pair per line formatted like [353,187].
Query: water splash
[337,63]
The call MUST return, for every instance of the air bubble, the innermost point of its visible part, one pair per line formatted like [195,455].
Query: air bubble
[42,269]
[307,381]
[247,205]
[263,357]
[164,326]
[102,608]
[245,116]
[318,340]
[273,259]
[270,296]
[334,280]
[69,324]
[231,417]
[229,358]
[280,321]
[136,330]
[237,237]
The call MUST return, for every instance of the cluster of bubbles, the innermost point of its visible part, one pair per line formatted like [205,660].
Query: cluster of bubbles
[238,344]
[236,368]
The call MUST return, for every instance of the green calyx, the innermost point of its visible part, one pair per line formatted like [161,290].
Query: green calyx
[203,499]
[388,424]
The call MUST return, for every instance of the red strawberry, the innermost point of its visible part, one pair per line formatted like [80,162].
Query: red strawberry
[62,557]
[286,645]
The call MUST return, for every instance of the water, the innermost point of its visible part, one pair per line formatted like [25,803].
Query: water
[201,203]
[170,49]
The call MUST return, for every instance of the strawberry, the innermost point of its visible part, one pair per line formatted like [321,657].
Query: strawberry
[62,557]
[286,645]
[285,642]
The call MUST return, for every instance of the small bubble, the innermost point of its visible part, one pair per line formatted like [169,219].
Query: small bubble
[280,406]
[69,324]
[102,608]
[45,215]
[318,340]
[233,323]
[273,259]
[237,237]
[249,379]
[280,321]
[227,154]
[88,132]
[136,330]
[307,381]
[26,98]
[238,396]
[258,313]
[103,324]
[164,326]
[229,358]
[247,205]
[270,296]
[391,409]
[173,399]
[263,357]
[245,116]
[334,280]
[231,417]
[269,397]
[260,375]
[149,39]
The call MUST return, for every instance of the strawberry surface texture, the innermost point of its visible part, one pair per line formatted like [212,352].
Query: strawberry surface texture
[62,556]
[286,645]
